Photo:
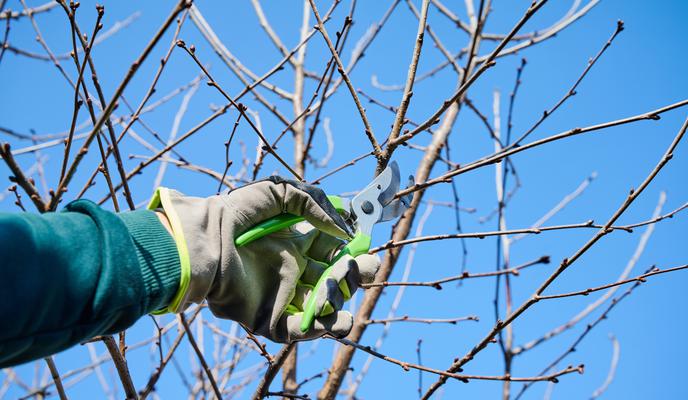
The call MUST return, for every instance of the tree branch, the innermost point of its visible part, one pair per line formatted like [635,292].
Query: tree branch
[340,68]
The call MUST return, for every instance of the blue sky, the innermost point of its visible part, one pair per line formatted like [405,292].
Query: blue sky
[644,69]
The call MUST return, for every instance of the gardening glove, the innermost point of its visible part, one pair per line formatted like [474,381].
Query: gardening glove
[257,284]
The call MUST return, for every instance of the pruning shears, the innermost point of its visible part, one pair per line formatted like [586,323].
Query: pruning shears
[375,203]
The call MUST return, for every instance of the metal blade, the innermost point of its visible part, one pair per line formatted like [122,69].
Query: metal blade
[396,207]
[393,210]
[366,204]
[407,199]
[388,192]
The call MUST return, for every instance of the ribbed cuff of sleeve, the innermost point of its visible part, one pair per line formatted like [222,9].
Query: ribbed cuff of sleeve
[157,254]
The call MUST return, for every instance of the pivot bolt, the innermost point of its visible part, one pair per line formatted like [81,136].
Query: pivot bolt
[367,207]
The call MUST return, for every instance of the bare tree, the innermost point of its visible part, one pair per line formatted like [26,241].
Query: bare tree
[265,112]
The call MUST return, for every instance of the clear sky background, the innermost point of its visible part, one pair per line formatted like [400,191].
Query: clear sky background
[643,70]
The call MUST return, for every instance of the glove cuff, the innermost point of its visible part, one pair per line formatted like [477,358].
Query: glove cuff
[161,198]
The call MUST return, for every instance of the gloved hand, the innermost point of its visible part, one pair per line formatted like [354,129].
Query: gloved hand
[264,284]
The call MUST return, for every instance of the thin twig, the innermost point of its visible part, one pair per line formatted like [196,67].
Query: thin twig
[612,369]
[260,346]
[639,278]
[121,366]
[588,328]
[340,68]
[200,356]
[105,115]
[572,91]
[566,262]
[273,368]
[318,180]
[495,157]
[630,265]
[228,144]
[211,82]
[29,11]
[20,179]
[17,196]
[437,284]
[4,46]
[56,377]
[411,76]
[406,366]
[481,235]
[406,318]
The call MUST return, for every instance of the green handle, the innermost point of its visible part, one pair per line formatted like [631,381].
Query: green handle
[279,222]
[267,227]
[360,244]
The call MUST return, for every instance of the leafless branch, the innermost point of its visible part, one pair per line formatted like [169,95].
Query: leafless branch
[20,179]
[17,196]
[640,248]
[612,369]
[121,366]
[29,11]
[411,76]
[406,318]
[406,366]
[273,367]
[487,63]
[345,77]
[200,356]
[572,91]
[56,378]
[211,82]
[437,284]
[105,115]
[639,278]
[588,328]
[651,115]
[567,262]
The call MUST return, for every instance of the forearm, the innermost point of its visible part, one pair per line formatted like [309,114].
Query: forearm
[69,276]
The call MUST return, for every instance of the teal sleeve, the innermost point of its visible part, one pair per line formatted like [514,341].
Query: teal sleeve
[68,276]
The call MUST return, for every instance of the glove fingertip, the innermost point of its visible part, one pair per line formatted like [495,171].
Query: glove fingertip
[368,265]
[312,203]
[338,324]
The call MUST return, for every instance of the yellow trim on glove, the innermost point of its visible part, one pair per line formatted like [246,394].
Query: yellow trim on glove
[161,197]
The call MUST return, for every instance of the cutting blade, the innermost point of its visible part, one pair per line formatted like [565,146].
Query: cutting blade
[387,194]
[398,206]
